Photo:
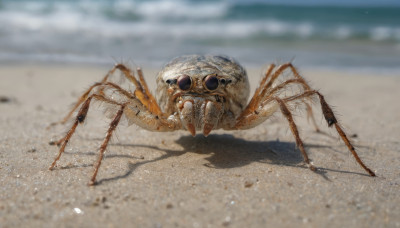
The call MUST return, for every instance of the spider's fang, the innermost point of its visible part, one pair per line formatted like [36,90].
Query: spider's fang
[207,129]
[191,129]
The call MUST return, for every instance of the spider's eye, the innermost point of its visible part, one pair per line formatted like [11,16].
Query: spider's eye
[184,82]
[211,82]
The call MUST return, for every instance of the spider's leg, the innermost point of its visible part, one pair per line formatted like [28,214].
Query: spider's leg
[288,82]
[148,120]
[267,107]
[153,106]
[288,115]
[131,107]
[331,120]
[265,98]
[84,97]
[256,97]
[142,91]
[80,118]
[270,106]
[103,146]
[266,85]
[310,115]
[266,90]
[81,99]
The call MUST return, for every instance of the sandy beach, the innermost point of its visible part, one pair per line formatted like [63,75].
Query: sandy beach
[252,178]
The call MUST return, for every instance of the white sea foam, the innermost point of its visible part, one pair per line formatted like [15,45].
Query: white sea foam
[154,29]
[381,33]
[180,9]
[171,19]
[343,32]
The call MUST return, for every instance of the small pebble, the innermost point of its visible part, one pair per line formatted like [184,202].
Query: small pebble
[4,99]
[32,150]
[248,184]
[78,210]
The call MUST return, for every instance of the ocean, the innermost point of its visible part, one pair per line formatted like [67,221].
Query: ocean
[337,34]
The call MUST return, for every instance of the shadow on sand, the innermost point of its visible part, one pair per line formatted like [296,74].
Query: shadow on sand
[225,151]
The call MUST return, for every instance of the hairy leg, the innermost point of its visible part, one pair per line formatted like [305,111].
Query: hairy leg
[331,120]
[103,146]
[265,89]
[288,115]
[84,97]
[133,110]
[257,96]
[142,91]
[326,111]
[265,98]
[80,118]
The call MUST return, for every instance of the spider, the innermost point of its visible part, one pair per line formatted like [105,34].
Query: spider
[203,93]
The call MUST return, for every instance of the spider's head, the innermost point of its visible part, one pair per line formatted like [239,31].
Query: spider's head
[202,78]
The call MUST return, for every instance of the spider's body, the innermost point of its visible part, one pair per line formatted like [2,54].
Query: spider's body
[217,92]
[203,93]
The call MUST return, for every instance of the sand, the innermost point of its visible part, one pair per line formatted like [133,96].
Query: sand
[253,178]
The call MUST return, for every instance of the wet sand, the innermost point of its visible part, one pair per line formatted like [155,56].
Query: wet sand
[250,178]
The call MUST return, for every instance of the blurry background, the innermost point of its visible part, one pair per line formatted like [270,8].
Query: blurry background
[334,34]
